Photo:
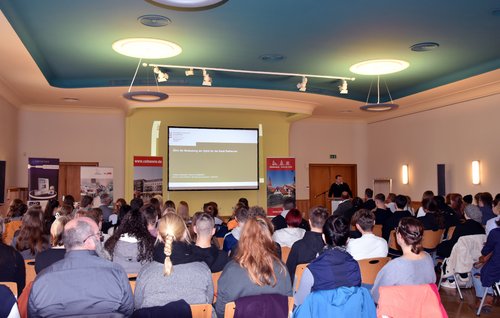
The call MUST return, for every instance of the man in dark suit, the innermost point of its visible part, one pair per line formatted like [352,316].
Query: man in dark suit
[382,213]
[338,187]
[393,221]
[369,203]
[344,206]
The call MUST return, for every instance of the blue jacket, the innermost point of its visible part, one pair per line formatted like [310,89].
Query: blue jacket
[352,302]
[490,273]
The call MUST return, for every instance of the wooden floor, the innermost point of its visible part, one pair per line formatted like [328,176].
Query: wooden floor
[461,309]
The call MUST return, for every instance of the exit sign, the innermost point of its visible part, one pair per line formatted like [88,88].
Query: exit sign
[333,156]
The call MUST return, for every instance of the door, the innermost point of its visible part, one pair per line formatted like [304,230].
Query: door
[321,176]
[69,178]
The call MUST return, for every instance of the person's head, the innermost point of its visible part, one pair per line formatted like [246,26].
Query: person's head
[336,231]
[204,226]
[86,202]
[50,208]
[410,232]
[69,200]
[124,209]
[288,203]
[171,228]
[317,218]
[243,201]
[241,216]
[64,210]
[81,234]
[293,218]
[344,195]
[156,204]
[57,229]
[456,202]
[170,204]
[427,194]
[134,224]
[430,205]
[183,210]
[485,199]
[379,199]
[401,201]
[476,197]
[364,220]
[96,215]
[31,234]
[339,179]
[106,199]
[118,204]
[368,193]
[150,214]
[391,197]
[257,211]
[357,203]
[257,252]
[212,208]
[473,212]
[136,203]
[467,199]
[17,208]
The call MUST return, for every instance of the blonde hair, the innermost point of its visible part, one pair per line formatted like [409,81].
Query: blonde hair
[56,230]
[171,227]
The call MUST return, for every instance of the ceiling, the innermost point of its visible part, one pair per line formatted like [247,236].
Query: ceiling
[66,46]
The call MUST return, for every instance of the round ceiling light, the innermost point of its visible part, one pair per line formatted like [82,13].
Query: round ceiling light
[154,20]
[379,107]
[145,96]
[190,4]
[424,46]
[379,67]
[147,48]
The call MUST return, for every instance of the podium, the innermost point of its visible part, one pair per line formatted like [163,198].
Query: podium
[334,203]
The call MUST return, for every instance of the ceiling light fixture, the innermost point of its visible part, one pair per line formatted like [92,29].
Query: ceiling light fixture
[302,86]
[379,67]
[145,48]
[190,4]
[144,96]
[160,75]
[207,80]
[343,87]
[378,106]
[190,72]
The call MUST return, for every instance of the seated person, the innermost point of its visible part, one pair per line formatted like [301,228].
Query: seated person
[83,282]
[203,226]
[30,240]
[231,238]
[56,251]
[176,276]
[256,268]
[492,223]
[368,245]
[426,195]
[415,267]
[151,214]
[131,245]
[279,221]
[305,250]
[292,233]
[334,267]
[8,303]
[382,213]
[11,263]
[433,218]
[400,213]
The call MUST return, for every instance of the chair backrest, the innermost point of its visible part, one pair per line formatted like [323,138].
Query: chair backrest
[12,286]
[215,280]
[231,307]
[451,230]
[10,228]
[431,239]
[393,244]
[285,251]
[220,241]
[377,230]
[299,270]
[30,270]
[370,267]
[201,310]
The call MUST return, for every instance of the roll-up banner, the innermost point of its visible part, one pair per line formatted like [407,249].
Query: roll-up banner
[43,180]
[148,177]
[280,183]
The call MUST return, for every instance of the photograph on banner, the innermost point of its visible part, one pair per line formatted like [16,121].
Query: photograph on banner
[280,183]
[43,180]
[148,177]
[96,181]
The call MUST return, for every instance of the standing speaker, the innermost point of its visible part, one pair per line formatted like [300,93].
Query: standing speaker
[441,177]
[2,181]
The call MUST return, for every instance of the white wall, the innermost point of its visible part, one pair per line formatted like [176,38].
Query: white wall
[73,136]
[313,140]
[8,141]
[453,135]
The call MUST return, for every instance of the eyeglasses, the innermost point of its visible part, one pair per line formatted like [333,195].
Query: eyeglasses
[98,235]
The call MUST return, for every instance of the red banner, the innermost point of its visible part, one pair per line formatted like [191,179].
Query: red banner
[280,183]
[148,161]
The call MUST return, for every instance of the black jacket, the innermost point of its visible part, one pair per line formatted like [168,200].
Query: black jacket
[304,251]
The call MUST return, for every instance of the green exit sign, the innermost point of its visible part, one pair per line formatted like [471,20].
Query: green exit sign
[333,156]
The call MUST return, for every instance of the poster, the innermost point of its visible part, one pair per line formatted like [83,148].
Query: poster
[280,183]
[96,181]
[43,180]
[148,177]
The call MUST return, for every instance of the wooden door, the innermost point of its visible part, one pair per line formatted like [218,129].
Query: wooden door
[69,178]
[321,176]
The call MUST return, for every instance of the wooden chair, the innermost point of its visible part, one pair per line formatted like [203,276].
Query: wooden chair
[370,267]
[431,239]
[285,251]
[377,230]
[231,307]
[393,244]
[10,228]
[30,270]
[220,240]
[132,278]
[215,280]
[12,286]
[451,230]
[201,310]
[299,270]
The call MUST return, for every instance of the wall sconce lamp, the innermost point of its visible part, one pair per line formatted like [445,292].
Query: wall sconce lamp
[404,174]
[476,177]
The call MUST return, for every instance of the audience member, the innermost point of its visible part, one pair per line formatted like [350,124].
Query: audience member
[86,202]
[393,221]
[433,218]
[409,207]
[426,195]
[136,203]
[49,214]
[64,210]
[279,221]
[232,223]
[81,283]
[450,216]
[204,249]
[69,200]
[150,213]
[17,209]
[183,211]
[231,239]
[174,276]
[244,201]
[493,222]
[357,204]
[169,204]
[30,240]
[157,205]
[11,263]
[257,211]
[305,250]
[256,268]
[368,245]
[485,205]
[106,201]
[334,267]
[344,206]
[414,267]
[382,213]
[292,233]
[456,203]
[56,251]
[369,203]
[391,202]
[131,245]
[213,209]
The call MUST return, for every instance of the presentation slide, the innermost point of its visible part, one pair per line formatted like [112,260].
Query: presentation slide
[212,158]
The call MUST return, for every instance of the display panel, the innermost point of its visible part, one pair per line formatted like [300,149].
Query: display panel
[212,158]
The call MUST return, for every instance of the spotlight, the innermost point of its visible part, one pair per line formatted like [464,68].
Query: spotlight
[343,87]
[302,86]
[162,77]
[190,72]
[207,80]
[156,70]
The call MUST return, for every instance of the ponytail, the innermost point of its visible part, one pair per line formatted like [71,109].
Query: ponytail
[167,265]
